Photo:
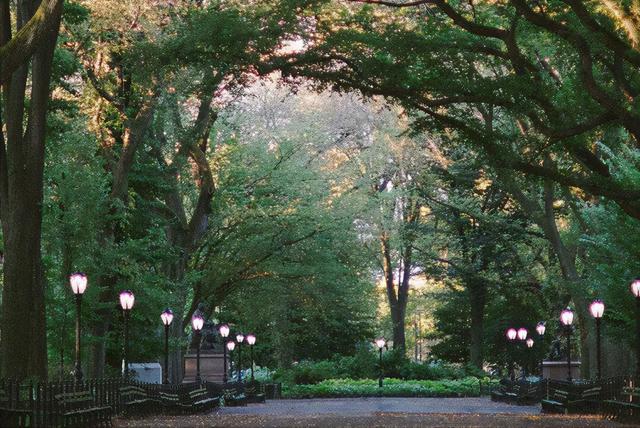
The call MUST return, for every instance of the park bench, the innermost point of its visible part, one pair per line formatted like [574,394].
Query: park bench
[254,392]
[200,400]
[625,406]
[196,400]
[234,396]
[170,402]
[136,400]
[571,399]
[79,409]
[522,392]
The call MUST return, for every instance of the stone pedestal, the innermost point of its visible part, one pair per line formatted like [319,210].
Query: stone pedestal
[211,367]
[558,370]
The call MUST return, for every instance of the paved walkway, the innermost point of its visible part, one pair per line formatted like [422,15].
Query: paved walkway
[370,406]
[373,412]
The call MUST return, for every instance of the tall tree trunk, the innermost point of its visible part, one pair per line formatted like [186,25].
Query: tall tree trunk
[21,183]
[544,217]
[478,298]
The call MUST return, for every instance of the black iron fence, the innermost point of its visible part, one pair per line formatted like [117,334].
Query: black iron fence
[41,404]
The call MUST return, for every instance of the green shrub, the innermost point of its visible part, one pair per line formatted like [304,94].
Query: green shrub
[467,387]
[365,365]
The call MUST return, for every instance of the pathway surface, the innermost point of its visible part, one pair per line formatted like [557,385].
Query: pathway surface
[373,412]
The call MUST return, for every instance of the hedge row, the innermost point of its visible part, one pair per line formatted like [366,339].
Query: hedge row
[467,387]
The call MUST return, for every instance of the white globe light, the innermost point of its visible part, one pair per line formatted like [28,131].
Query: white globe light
[540,328]
[529,343]
[197,322]
[380,342]
[566,316]
[511,334]
[597,308]
[635,287]
[240,337]
[127,299]
[231,345]
[251,339]
[224,330]
[78,282]
[522,333]
[166,316]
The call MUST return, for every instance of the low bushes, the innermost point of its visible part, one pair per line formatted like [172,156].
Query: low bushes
[365,365]
[467,387]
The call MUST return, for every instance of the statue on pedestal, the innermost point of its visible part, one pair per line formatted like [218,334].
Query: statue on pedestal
[210,340]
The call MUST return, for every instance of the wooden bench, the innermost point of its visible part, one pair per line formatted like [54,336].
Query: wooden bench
[254,393]
[569,399]
[79,409]
[234,397]
[556,402]
[136,400]
[625,406]
[170,402]
[200,400]
[522,392]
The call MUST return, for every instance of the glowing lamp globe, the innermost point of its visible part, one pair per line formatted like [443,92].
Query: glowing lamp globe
[78,282]
[597,308]
[512,333]
[541,328]
[566,316]
[529,343]
[197,322]
[240,337]
[127,300]
[251,339]
[522,333]
[166,316]
[380,342]
[224,330]
[231,345]
[635,287]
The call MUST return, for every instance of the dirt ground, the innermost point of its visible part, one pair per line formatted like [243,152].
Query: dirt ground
[377,420]
[373,412]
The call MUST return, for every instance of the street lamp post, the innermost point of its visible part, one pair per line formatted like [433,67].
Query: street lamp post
[597,311]
[512,333]
[197,322]
[380,343]
[239,339]
[231,345]
[529,344]
[166,317]
[635,289]
[127,300]
[251,340]
[540,329]
[566,317]
[78,283]
[522,335]
[224,333]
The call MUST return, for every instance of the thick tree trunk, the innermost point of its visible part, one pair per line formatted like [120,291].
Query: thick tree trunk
[478,297]
[398,314]
[23,346]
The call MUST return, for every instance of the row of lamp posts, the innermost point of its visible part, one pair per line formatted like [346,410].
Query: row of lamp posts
[566,318]
[78,282]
